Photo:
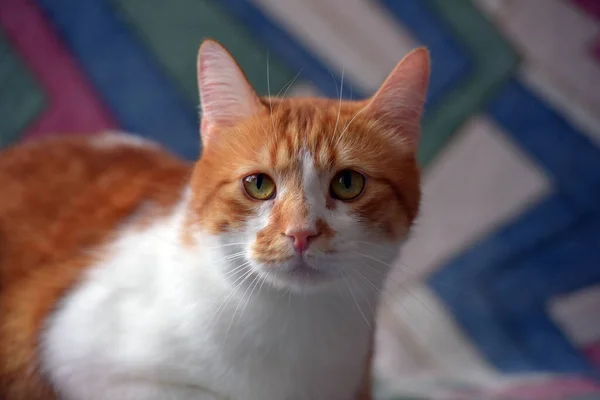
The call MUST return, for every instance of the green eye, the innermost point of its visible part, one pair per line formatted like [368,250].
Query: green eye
[347,185]
[259,186]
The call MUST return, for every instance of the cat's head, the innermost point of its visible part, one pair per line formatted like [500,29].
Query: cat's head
[307,191]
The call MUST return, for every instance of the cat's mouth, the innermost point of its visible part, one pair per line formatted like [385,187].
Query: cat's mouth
[300,272]
[303,271]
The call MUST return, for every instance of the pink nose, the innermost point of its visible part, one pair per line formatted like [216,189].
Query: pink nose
[302,239]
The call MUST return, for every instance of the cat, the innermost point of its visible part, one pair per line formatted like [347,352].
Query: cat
[254,273]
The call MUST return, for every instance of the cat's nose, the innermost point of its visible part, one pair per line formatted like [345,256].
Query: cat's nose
[301,238]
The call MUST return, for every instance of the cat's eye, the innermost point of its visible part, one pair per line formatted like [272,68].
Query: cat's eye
[259,186]
[347,185]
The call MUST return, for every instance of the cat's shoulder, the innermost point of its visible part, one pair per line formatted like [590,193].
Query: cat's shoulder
[59,198]
[67,192]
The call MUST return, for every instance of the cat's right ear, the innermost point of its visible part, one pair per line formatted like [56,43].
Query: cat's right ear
[226,96]
[400,99]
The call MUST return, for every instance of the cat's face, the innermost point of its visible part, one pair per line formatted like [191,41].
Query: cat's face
[304,192]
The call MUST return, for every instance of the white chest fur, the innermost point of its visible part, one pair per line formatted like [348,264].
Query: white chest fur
[153,320]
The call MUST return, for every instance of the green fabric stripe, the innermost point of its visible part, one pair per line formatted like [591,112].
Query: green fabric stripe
[154,20]
[494,61]
[173,33]
[20,98]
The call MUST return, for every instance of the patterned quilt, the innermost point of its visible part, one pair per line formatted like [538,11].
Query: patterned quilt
[498,289]
[538,388]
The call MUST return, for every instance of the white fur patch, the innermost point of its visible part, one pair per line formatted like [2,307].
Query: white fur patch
[313,188]
[156,320]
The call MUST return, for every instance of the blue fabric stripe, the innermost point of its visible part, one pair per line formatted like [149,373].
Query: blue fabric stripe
[566,154]
[125,74]
[522,288]
[464,282]
[499,288]
[289,49]
[452,63]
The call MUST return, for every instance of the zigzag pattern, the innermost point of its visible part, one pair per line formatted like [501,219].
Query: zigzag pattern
[74,66]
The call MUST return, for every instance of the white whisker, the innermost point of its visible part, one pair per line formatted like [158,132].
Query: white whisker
[229,296]
[238,306]
[233,271]
[356,301]
[339,105]
[288,85]
[226,245]
[270,100]
[349,123]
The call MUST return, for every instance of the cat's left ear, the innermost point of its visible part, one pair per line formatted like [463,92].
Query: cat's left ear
[226,96]
[399,101]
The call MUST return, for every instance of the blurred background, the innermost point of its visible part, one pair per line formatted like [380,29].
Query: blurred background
[498,288]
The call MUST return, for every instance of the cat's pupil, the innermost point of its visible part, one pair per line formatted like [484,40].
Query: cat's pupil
[347,179]
[259,181]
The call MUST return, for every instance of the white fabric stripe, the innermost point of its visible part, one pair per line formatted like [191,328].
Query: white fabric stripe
[479,181]
[425,338]
[578,315]
[581,116]
[555,38]
[357,36]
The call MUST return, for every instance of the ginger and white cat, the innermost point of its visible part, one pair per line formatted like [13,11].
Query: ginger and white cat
[254,274]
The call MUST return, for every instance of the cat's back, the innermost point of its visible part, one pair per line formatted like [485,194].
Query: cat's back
[61,194]
[59,198]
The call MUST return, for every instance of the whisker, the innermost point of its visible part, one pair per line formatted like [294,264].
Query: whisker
[226,245]
[390,296]
[232,272]
[403,286]
[233,256]
[258,280]
[356,301]
[374,245]
[238,306]
[229,296]
[372,258]
[349,123]
[264,279]
[339,105]
[414,273]
[289,84]
[269,92]
[417,271]
[362,293]
[337,91]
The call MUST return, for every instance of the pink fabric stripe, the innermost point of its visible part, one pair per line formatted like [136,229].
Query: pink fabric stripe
[596,50]
[589,6]
[558,387]
[592,351]
[72,104]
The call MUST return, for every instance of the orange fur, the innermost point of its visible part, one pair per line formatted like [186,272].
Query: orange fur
[61,197]
[271,142]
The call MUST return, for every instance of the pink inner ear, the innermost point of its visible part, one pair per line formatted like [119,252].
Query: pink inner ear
[226,96]
[400,99]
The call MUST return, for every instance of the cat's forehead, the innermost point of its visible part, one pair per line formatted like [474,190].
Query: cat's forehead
[315,133]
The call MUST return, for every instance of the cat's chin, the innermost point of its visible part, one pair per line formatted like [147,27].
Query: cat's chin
[298,274]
